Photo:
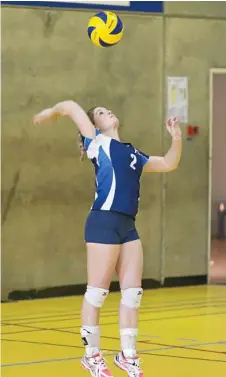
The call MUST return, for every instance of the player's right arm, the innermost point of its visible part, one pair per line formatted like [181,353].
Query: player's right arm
[72,110]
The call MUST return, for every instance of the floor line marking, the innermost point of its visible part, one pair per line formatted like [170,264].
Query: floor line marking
[147,352]
[161,305]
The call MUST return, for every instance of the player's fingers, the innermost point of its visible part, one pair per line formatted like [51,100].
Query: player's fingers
[169,122]
[176,122]
[35,119]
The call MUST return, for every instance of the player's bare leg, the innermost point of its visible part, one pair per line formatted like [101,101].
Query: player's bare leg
[129,269]
[101,262]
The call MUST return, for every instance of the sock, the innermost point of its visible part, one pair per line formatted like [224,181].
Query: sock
[128,342]
[91,339]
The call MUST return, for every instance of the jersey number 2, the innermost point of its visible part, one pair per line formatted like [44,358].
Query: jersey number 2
[134,161]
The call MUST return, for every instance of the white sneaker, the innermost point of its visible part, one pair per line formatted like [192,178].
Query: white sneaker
[96,366]
[131,366]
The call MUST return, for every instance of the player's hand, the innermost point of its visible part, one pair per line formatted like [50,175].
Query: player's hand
[173,126]
[44,116]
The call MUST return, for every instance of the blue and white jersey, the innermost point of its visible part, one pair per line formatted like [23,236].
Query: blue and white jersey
[118,167]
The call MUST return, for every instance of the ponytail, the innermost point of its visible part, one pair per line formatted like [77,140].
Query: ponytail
[81,146]
[90,114]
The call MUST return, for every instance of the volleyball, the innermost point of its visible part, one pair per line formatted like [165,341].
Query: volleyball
[105,29]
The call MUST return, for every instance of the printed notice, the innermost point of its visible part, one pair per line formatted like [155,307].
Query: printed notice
[177,98]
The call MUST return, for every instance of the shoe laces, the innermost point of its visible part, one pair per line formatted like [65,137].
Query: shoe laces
[134,365]
[99,362]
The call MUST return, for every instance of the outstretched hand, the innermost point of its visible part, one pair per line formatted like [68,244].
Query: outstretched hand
[44,117]
[173,126]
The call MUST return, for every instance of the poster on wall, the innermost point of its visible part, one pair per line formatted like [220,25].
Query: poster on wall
[177,98]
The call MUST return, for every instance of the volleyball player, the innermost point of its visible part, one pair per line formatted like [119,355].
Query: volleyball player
[111,237]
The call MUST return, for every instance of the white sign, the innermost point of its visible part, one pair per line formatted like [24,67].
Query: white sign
[177,98]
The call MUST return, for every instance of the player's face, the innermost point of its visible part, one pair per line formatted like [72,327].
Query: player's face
[104,119]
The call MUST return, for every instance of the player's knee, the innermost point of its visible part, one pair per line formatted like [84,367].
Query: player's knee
[132,297]
[96,296]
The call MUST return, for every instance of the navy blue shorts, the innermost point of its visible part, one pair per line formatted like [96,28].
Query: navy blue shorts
[111,228]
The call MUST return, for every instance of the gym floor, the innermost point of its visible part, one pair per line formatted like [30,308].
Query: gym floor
[182,334]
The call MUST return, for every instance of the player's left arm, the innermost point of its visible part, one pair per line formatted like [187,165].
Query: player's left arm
[172,158]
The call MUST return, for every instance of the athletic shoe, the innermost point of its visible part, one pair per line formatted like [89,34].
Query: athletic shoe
[96,366]
[131,366]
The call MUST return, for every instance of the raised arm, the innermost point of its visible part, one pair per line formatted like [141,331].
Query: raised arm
[71,109]
[172,158]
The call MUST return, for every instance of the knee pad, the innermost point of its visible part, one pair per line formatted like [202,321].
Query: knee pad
[96,296]
[131,297]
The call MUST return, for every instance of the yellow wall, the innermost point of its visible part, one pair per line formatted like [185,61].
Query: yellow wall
[47,57]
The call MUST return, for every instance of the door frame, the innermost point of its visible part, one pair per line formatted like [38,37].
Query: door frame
[212,72]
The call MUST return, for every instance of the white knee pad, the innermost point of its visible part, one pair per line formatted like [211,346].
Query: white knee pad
[131,297]
[96,296]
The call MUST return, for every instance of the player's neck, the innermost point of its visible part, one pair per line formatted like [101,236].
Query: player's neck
[113,134]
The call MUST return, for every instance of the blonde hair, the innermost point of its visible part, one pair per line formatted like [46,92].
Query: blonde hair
[90,114]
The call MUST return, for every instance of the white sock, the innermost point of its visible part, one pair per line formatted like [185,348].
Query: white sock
[91,339]
[128,342]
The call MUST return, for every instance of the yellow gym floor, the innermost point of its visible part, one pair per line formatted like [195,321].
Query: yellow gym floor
[182,334]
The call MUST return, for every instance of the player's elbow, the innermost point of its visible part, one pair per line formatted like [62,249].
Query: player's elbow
[160,165]
[70,106]
[66,107]
[172,167]
[70,103]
